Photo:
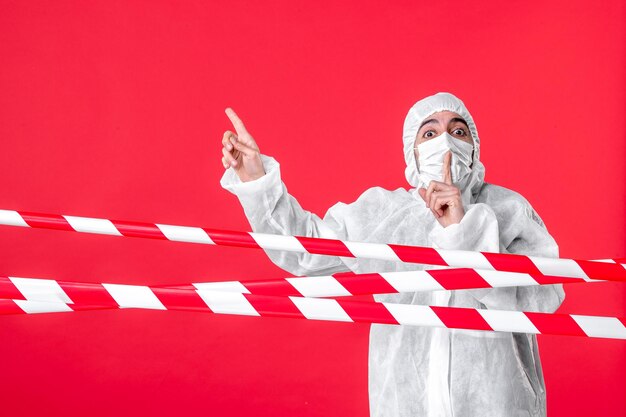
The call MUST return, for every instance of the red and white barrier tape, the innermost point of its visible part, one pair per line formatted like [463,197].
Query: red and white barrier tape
[220,302]
[570,268]
[348,283]
[337,285]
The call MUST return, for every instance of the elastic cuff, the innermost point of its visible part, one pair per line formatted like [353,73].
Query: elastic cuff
[251,192]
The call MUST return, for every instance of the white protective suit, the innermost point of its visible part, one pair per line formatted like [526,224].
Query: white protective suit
[421,371]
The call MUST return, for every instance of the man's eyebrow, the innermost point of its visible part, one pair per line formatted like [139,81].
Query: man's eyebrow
[458,119]
[426,122]
[454,119]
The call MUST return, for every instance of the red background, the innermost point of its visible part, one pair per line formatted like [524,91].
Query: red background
[115,109]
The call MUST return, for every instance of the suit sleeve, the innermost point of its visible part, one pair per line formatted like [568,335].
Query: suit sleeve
[270,209]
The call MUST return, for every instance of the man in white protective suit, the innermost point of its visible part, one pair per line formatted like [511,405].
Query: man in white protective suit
[421,371]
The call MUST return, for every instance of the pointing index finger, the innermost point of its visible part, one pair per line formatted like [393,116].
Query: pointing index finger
[236,121]
[447,175]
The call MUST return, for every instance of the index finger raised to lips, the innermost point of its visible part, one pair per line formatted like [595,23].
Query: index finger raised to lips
[447,175]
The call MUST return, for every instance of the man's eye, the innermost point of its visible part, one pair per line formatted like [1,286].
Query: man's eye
[429,134]
[459,132]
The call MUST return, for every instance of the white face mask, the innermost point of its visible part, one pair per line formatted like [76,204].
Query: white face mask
[430,163]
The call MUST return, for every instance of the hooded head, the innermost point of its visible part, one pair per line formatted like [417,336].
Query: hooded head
[416,115]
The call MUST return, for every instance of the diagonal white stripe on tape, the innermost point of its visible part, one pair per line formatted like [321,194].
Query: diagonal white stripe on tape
[278,242]
[559,267]
[320,309]
[185,234]
[601,326]
[134,296]
[318,286]
[372,250]
[222,302]
[465,259]
[92,225]
[506,279]
[40,289]
[34,307]
[230,286]
[416,315]
[12,218]
[508,321]
[409,281]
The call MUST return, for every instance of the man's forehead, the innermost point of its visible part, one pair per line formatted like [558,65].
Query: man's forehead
[443,115]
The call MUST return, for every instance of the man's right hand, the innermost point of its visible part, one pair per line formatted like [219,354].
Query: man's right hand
[241,151]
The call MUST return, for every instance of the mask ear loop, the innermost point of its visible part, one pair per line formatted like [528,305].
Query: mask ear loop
[417,165]
[473,150]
